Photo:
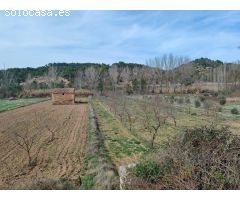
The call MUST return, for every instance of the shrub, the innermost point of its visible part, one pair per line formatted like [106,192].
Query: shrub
[219,109]
[202,98]
[234,111]
[87,182]
[206,94]
[151,171]
[171,99]
[197,103]
[214,94]
[204,158]
[201,147]
[222,100]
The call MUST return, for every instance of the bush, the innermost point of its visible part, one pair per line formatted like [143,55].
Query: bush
[87,182]
[202,98]
[206,94]
[219,109]
[204,158]
[197,103]
[151,171]
[213,93]
[234,111]
[222,100]
[148,170]
[171,99]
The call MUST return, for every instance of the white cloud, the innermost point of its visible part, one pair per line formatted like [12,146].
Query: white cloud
[110,36]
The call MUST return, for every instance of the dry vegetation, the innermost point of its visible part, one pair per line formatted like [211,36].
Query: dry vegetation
[192,147]
[200,158]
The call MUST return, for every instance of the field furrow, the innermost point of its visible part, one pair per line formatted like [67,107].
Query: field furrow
[59,137]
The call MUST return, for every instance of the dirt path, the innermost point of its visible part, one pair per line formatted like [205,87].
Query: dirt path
[60,158]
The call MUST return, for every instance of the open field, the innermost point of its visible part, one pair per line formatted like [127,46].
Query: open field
[177,137]
[185,114]
[6,104]
[84,150]
[58,139]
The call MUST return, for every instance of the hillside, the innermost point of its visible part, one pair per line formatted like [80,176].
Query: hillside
[130,76]
[207,70]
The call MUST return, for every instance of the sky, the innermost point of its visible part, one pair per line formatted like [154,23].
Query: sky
[113,36]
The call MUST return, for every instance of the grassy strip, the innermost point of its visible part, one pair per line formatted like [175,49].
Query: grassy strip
[6,104]
[100,172]
[122,146]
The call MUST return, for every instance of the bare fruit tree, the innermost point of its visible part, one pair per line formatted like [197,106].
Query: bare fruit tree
[54,131]
[24,137]
[131,119]
[153,119]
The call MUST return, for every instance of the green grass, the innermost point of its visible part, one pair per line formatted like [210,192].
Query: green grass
[87,182]
[119,141]
[231,106]
[5,104]
[106,115]
[93,159]
[97,173]
[226,111]
[121,146]
[184,118]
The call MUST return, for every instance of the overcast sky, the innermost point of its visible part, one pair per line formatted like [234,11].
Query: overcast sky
[112,36]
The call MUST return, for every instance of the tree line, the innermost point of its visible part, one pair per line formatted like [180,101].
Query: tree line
[165,73]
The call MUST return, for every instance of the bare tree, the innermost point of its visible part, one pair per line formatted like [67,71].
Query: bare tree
[27,84]
[166,65]
[207,105]
[25,136]
[54,130]
[79,79]
[52,75]
[131,120]
[153,119]
[113,72]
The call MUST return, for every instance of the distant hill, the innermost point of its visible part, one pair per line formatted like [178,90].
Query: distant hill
[65,70]
[204,69]
[134,76]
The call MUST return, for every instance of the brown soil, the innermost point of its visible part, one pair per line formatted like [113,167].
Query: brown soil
[61,157]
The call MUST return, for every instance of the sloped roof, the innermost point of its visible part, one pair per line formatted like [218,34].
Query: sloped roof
[64,90]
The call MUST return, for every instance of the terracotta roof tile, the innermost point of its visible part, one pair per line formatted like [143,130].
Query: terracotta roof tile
[64,90]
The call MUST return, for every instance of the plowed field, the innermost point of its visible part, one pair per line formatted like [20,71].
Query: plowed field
[55,158]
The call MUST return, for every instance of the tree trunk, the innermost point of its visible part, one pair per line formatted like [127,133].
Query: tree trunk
[29,158]
[153,139]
